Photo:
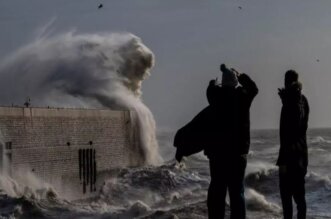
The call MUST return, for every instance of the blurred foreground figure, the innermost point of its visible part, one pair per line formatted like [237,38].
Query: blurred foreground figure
[293,153]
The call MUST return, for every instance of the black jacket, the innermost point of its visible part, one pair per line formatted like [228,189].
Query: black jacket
[230,128]
[193,137]
[293,127]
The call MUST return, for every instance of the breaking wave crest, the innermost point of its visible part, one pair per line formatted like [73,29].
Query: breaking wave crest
[320,139]
[258,202]
[147,190]
[84,70]
[316,181]
[153,185]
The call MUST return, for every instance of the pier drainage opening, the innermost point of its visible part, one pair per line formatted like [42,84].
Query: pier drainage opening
[87,169]
[6,158]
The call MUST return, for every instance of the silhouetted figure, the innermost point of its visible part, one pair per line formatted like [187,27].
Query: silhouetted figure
[293,153]
[100,6]
[228,147]
[222,130]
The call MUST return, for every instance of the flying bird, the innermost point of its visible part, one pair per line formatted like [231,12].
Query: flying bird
[240,7]
[100,6]
[317,60]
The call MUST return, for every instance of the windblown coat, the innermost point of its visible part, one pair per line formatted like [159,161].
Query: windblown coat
[222,129]
[231,127]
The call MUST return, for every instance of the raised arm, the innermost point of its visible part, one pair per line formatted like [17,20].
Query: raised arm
[248,86]
[212,92]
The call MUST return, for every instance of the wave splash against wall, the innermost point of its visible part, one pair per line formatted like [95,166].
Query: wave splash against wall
[84,70]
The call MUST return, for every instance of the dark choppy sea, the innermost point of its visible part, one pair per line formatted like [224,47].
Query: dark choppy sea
[179,191]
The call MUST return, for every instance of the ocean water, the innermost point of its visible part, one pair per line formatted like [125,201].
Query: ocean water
[179,190]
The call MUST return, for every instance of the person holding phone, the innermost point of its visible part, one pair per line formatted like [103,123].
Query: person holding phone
[228,145]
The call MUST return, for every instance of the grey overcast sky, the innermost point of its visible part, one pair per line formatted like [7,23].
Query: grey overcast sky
[190,38]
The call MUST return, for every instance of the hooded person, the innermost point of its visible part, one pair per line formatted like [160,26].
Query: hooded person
[293,153]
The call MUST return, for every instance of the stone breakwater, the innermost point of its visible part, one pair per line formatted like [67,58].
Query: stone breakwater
[67,148]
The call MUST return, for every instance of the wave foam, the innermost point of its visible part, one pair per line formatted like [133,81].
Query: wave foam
[320,139]
[258,202]
[85,70]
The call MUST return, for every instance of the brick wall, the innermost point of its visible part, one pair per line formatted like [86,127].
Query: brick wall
[46,141]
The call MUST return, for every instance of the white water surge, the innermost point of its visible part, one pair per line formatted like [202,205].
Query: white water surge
[84,70]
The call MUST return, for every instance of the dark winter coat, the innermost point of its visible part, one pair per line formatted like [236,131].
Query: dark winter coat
[293,151]
[193,137]
[230,128]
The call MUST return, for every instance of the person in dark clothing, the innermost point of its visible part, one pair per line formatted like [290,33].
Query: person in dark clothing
[229,141]
[293,153]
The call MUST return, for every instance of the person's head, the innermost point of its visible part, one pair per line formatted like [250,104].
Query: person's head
[222,67]
[291,76]
[229,77]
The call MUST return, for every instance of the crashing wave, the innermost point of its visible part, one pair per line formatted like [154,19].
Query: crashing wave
[258,202]
[316,181]
[85,70]
[320,139]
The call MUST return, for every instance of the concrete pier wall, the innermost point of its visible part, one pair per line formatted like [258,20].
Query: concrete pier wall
[48,142]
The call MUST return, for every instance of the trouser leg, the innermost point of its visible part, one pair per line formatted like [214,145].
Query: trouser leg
[286,195]
[216,200]
[216,192]
[237,202]
[237,191]
[299,196]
